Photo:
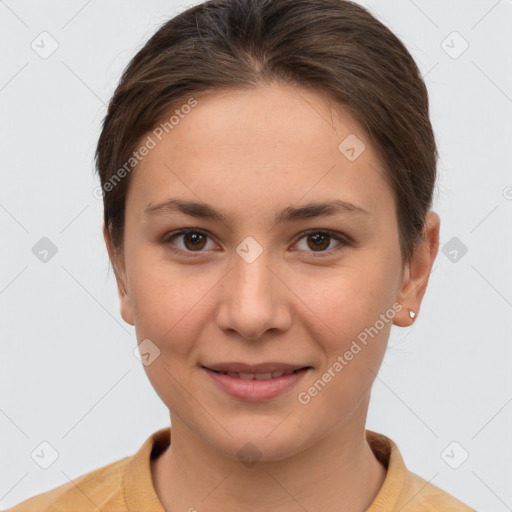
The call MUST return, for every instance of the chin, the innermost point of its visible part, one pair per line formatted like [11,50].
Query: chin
[254,441]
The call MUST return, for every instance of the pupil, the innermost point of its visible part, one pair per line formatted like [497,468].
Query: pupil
[319,239]
[195,239]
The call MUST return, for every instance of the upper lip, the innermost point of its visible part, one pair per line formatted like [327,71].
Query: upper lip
[269,367]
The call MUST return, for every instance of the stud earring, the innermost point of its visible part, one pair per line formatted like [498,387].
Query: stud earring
[412,314]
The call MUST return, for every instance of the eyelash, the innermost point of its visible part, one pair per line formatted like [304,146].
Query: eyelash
[343,241]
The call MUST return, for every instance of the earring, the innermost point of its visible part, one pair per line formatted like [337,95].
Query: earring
[412,314]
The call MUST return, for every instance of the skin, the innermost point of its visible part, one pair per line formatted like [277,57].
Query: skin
[252,153]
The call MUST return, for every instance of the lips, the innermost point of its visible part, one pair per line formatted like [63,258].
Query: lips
[261,371]
[257,376]
[257,382]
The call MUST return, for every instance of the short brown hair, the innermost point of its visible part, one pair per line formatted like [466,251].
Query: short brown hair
[334,46]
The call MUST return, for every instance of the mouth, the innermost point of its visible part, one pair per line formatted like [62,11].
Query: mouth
[258,376]
[255,383]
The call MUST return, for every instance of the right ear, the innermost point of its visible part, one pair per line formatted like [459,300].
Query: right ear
[117,262]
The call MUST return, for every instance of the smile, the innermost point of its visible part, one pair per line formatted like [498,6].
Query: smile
[257,376]
[256,387]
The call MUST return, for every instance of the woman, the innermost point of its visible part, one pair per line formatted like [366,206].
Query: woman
[267,169]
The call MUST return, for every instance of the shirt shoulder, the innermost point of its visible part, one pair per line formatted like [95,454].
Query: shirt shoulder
[404,490]
[123,485]
[420,495]
[101,488]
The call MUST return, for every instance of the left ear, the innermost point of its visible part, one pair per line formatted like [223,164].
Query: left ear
[417,272]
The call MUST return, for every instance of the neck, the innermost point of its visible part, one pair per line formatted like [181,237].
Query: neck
[340,473]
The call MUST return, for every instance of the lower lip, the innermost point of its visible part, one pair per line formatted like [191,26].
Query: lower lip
[255,390]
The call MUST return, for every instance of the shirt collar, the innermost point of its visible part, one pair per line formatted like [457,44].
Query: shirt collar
[387,453]
[140,493]
[138,484]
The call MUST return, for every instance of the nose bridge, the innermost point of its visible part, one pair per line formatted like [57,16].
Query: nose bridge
[251,301]
[251,280]
[252,276]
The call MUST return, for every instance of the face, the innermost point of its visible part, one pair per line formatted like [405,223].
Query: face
[271,280]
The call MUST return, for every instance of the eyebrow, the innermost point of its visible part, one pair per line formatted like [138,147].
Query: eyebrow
[288,214]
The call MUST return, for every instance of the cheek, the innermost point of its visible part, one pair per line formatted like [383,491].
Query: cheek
[348,300]
[356,309]
[168,310]
[169,303]
[358,312]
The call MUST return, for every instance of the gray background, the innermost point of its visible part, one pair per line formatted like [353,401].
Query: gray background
[67,370]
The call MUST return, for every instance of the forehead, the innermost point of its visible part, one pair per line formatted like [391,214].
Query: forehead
[262,146]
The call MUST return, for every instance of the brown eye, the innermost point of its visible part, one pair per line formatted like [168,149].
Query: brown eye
[192,240]
[319,241]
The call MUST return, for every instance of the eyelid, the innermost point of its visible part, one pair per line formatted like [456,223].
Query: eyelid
[334,234]
[344,240]
[169,237]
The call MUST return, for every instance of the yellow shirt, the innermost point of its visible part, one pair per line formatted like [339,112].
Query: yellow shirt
[126,485]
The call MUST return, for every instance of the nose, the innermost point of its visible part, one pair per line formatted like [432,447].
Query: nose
[252,300]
